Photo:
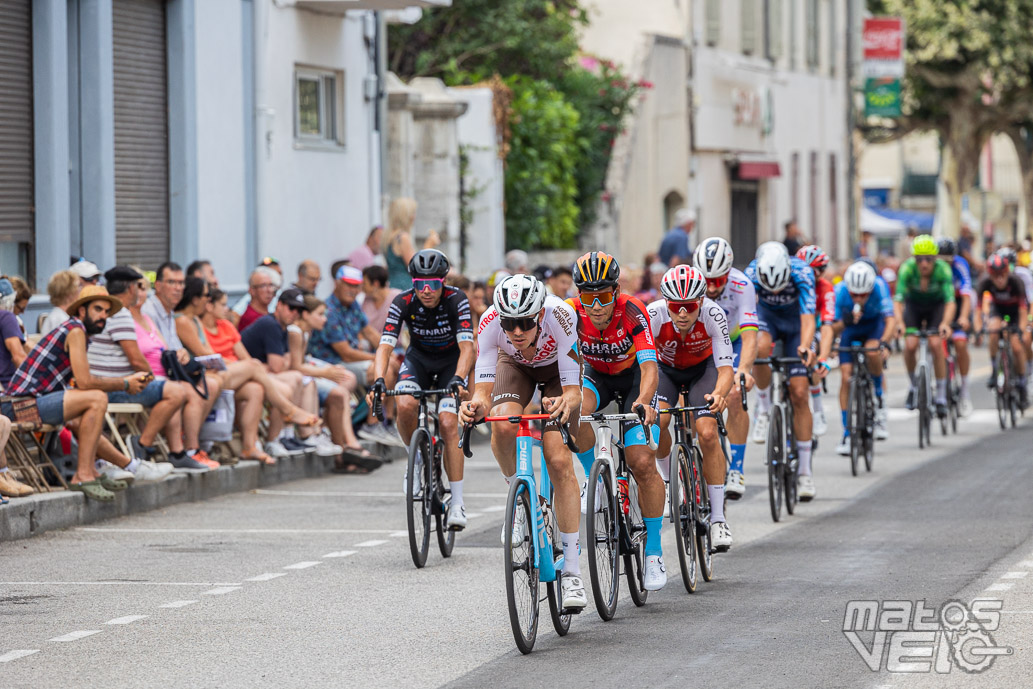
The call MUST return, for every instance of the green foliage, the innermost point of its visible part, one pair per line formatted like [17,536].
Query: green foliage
[541,182]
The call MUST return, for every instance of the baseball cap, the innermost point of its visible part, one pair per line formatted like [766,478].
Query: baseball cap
[85,269]
[349,274]
[293,298]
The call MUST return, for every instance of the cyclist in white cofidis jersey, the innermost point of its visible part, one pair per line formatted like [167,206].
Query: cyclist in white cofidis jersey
[528,338]
[735,294]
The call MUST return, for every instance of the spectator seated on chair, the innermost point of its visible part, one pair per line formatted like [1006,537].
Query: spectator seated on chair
[202,268]
[53,363]
[62,289]
[12,353]
[309,276]
[263,285]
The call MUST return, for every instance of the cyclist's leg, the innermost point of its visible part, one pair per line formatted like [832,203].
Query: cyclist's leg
[513,389]
[993,325]
[448,427]
[412,376]
[560,464]
[845,371]
[911,324]
[799,397]
[667,397]
[762,374]
[1018,350]
[595,395]
[964,359]
[738,424]
[702,381]
[642,462]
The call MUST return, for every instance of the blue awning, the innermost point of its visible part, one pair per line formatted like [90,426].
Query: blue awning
[917,219]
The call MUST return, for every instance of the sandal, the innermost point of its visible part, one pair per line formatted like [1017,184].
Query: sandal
[112,484]
[260,457]
[350,469]
[367,461]
[93,490]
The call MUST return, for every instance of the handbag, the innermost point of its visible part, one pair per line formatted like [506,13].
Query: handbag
[190,372]
[218,427]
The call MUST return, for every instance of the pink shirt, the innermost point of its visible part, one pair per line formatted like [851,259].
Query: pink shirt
[378,316]
[151,346]
[362,257]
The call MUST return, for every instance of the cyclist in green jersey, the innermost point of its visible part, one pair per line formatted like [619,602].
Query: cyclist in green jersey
[925,301]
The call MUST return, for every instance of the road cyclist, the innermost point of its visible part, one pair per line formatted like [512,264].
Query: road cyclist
[964,297]
[824,313]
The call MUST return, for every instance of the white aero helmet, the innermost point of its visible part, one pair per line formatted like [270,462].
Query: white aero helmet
[859,278]
[519,296]
[713,257]
[773,271]
[766,247]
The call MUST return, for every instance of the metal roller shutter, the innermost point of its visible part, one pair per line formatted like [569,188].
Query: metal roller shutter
[16,168]
[141,133]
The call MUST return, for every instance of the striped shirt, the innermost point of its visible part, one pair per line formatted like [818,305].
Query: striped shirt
[105,354]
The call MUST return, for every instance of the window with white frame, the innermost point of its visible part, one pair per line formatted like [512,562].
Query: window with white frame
[318,106]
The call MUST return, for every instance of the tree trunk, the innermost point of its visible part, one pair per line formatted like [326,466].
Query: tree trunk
[964,140]
[1025,156]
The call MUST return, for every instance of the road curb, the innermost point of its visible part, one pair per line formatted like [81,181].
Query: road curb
[36,514]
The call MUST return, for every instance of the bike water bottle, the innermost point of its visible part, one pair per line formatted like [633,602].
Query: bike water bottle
[622,494]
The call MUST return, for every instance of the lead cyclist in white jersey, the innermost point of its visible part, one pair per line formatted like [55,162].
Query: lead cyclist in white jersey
[734,293]
[528,338]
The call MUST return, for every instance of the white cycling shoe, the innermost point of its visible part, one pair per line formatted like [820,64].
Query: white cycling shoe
[572,592]
[654,573]
[805,488]
[519,530]
[598,497]
[965,407]
[735,485]
[760,428]
[456,517]
[882,431]
[820,425]
[721,537]
[844,446]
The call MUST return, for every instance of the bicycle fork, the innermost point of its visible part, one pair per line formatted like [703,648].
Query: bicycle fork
[543,555]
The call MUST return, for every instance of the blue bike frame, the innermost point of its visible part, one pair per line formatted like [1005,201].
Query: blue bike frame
[525,480]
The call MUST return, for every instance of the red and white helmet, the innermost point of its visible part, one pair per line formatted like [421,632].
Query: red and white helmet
[683,283]
[713,257]
[814,256]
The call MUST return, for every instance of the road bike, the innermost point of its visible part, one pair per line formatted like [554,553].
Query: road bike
[861,408]
[426,494]
[924,387]
[950,421]
[616,529]
[782,460]
[532,553]
[1006,390]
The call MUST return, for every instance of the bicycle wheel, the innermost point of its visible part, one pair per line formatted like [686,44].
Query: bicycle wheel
[633,561]
[446,536]
[554,589]
[869,432]
[683,491]
[418,504]
[602,534]
[702,517]
[922,400]
[790,466]
[776,457]
[1001,390]
[855,421]
[522,582]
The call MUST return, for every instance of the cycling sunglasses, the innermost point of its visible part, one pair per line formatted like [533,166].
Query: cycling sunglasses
[525,324]
[687,306]
[717,283]
[925,259]
[432,284]
[589,299]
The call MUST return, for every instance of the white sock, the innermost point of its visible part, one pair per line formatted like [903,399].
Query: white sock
[803,449]
[816,398]
[571,565]
[717,503]
[664,467]
[941,390]
[964,386]
[4,470]
[457,492]
[133,465]
[509,479]
[764,400]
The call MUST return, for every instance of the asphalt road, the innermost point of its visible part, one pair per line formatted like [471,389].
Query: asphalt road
[311,584]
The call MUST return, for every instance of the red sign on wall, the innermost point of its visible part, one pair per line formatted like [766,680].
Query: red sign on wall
[883,38]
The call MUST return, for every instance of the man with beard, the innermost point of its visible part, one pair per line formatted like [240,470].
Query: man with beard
[45,374]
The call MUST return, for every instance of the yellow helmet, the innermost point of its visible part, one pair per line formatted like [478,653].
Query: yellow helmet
[924,245]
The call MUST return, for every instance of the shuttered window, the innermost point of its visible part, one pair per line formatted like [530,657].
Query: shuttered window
[16,147]
[774,29]
[749,26]
[813,38]
[141,133]
[713,8]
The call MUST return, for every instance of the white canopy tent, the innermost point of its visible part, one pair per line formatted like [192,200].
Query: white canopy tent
[879,224]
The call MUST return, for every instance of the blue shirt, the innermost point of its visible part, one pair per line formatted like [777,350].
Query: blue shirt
[798,296]
[265,337]
[675,243]
[962,275]
[878,306]
[343,324]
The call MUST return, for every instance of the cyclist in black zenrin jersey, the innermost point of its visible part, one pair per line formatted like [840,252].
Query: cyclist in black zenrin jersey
[1004,299]
[440,354]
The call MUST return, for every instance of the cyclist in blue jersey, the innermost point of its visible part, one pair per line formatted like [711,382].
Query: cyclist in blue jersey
[964,296]
[864,316]
[785,313]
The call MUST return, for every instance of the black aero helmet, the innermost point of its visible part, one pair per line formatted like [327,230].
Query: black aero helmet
[428,263]
[596,271]
[945,247]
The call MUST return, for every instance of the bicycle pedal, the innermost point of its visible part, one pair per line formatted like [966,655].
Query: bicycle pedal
[457,529]
[571,611]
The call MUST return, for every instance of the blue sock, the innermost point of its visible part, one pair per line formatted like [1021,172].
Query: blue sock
[878,385]
[587,460]
[738,455]
[846,424]
[653,535]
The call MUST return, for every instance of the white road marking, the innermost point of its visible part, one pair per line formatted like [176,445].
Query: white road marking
[471,515]
[221,591]
[1015,575]
[978,416]
[117,583]
[399,534]
[350,494]
[128,619]
[75,636]
[1026,563]
[999,587]
[258,531]
[178,604]
[369,544]
[267,576]
[302,565]
[15,655]
[340,553]
[1017,612]
[494,508]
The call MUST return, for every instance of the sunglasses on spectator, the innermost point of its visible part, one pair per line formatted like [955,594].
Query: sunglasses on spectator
[270,261]
[432,284]
[589,299]
[687,306]
[717,283]
[525,324]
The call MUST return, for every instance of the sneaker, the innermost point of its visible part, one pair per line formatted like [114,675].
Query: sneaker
[456,517]
[277,449]
[735,485]
[114,473]
[909,403]
[164,467]
[965,407]
[150,472]
[820,426]
[721,537]
[392,436]
[202,458]
[667,500]
[844,446]
[882,431]
[584,497]
[572,594]
[138,449]
[294,447]
[322,445]
[805,488]
[186,465]
[12,488]
[368,432]
[760,428]
[654,574]
[519,531]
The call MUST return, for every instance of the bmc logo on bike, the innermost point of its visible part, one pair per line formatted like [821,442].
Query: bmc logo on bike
[914,638]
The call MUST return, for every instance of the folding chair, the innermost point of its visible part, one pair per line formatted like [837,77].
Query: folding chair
[29,459]
[130,415]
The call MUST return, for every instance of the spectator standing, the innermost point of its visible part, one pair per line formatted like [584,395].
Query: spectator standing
[516,262]
[674,248]
[398,246]
[794,237]
[561,282]
[62,289]
[263,285]
[89,273]
[478,300]
[377,296]
[366,254]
